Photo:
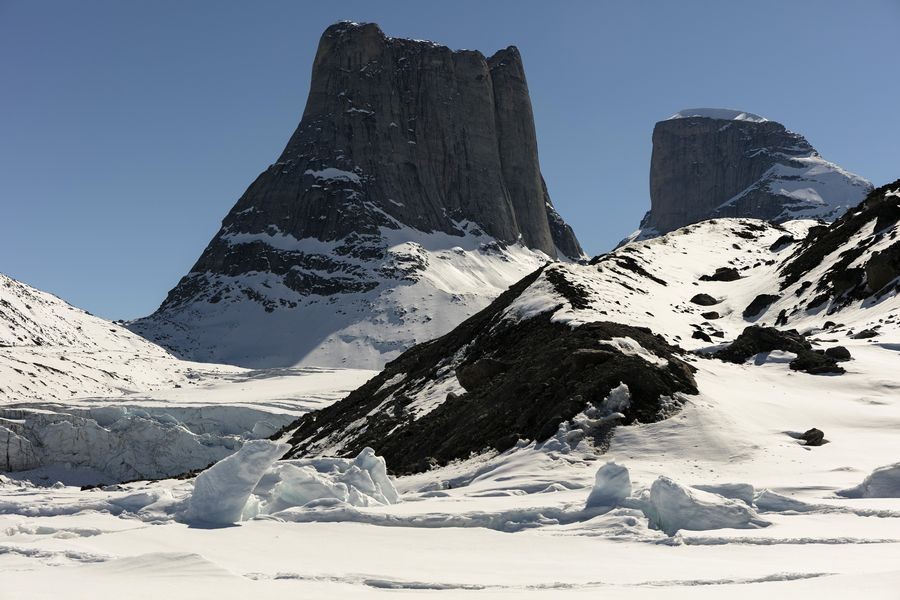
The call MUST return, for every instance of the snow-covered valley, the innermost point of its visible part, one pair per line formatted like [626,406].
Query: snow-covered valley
[729,494]
[515,524]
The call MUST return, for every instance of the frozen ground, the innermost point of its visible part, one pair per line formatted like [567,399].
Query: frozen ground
[164,432]
[721,500]
[515,525]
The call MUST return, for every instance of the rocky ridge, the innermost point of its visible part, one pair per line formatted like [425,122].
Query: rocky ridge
[571,345]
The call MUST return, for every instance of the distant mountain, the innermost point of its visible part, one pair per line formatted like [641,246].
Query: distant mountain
[574,350]
[407,199]
[713,162]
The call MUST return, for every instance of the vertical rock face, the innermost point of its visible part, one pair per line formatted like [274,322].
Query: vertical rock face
[405,148]
[720,163]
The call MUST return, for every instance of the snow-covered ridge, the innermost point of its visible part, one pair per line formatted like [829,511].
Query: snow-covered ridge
[357,302]
[725,114]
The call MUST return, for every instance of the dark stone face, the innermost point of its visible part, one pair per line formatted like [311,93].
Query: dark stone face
[709,167]
[401,132]
[396,133]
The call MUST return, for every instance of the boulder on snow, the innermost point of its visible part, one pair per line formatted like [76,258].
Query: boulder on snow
[700,335]
[883,482]
[864,334]
[759,304]
[612,484]
[723,274]
[704,300]
[813,437]
[839,353]
[673,507]
[754,340]
[711,315]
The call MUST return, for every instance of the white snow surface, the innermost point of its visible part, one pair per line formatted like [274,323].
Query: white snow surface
[726,114]
[883,482]
[722,499]
[443,279]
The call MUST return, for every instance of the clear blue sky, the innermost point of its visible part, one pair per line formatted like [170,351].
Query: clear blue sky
[129,129]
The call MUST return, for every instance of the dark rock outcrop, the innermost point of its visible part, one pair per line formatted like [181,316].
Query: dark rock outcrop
[717,163]
[755,340]
[722,274]
[813,437]
[759,304]
[522,379]
[838,353]
[842,283]
[704,300]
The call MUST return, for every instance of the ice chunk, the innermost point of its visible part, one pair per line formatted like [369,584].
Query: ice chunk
[221,492]
[361,482]
[736,491]
[618,400]
[300,485]
[612,484]
[673,507]
[381,487]
[883,482]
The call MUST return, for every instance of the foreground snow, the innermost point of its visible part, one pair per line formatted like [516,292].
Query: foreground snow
[748,510]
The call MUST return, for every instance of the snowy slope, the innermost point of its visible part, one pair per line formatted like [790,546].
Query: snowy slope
[85,400]
[361,311]
[51,350]
[553,345]
[720,499]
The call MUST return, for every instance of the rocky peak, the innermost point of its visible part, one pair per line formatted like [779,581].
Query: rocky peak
[410,157]
[410,131]
[726,163]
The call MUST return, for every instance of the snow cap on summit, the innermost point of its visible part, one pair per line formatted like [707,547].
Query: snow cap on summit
[724,114]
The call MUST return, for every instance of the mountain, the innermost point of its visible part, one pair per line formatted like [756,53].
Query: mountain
[574,350]
[51,350]
[711,162]
[408,198]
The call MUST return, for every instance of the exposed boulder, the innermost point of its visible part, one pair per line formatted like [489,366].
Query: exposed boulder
[722,274]
[864,334]
[759,304]
[755,340]
[838,353]
[813,437]
[704,300]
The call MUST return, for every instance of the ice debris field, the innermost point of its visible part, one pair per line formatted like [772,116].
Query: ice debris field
[720,499]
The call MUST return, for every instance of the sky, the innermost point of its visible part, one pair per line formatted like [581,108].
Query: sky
[128,129]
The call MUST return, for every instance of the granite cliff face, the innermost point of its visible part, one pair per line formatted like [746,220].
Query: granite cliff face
[721,163]
[412,164]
